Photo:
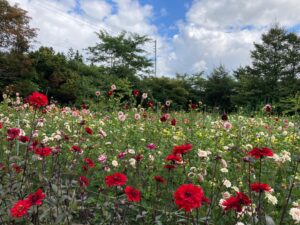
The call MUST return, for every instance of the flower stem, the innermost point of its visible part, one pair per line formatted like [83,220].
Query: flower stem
[292,184]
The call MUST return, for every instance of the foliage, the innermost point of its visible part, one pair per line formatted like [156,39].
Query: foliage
[123,55]
[274,73]
[15,32]
[83,147]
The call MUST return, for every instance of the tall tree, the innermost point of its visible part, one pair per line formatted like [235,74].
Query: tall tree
[219,89]
[15,31]
[122,55]
[16,68]
[274,73]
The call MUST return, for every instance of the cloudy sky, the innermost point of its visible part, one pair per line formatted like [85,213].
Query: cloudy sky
[192,35]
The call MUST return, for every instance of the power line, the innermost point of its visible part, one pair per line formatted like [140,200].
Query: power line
[155,59]
[50,7]
[45,5]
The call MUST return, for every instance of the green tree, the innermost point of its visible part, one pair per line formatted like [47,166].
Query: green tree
[274,72]
[220,87]
[15,32]
[123,56]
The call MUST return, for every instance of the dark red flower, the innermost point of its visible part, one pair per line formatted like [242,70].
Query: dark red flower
[116,179]
[20,208]
[2,166]
[160,179]
[169,167]
[259,187]
[188,197]
[38,99]
[83,181]
[236,202]
[206,200]
[138,157]
[90,162]
[1,125]
[193,106]
[23,139]
[25,100]
[224,117]
[260,152]
[36,198]
[136,92]
[66,137]
[17,168]
[76,148]
[182,149]
[43,152]
[84,106]
[110,93]
[133,195]
[163,118]
[174,158]
[121,155]
[268,108]
[173,122]
[150,104]
[89,130]
[13,133]
[85,168]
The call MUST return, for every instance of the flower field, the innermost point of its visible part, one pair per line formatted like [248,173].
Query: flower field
[61,165]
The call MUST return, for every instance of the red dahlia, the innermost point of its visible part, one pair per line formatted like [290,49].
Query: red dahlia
[13,133]
[138,157]
[136,92]
[84,167]
[260,152]
[150,104]
[163,118]
[259,187]
[116,179]
[89,130]
[23,139]
[188,197]
[236,202]
[38,99]
[17,168]
[20,208]
[173,122]
[169,167]
[76,148]
[36,198]
[206,200]
[174,158]
[43,152]
[182,149]
[83,181]
[133,195]
[160,179]
[110,93]
[90,162]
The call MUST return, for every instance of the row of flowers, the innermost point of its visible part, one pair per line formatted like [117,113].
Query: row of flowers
[76,150]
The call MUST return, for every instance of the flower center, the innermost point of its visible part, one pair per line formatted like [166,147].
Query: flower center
[187,194]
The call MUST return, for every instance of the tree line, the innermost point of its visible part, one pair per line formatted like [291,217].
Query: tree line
[272,77]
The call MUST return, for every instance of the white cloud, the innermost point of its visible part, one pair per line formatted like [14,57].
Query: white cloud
[237,13]
[214,32]
[61,27]
[96,9]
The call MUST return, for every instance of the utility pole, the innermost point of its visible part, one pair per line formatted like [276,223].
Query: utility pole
[155,58]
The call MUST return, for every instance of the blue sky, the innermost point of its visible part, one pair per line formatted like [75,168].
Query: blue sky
[167,13]
[192,35]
